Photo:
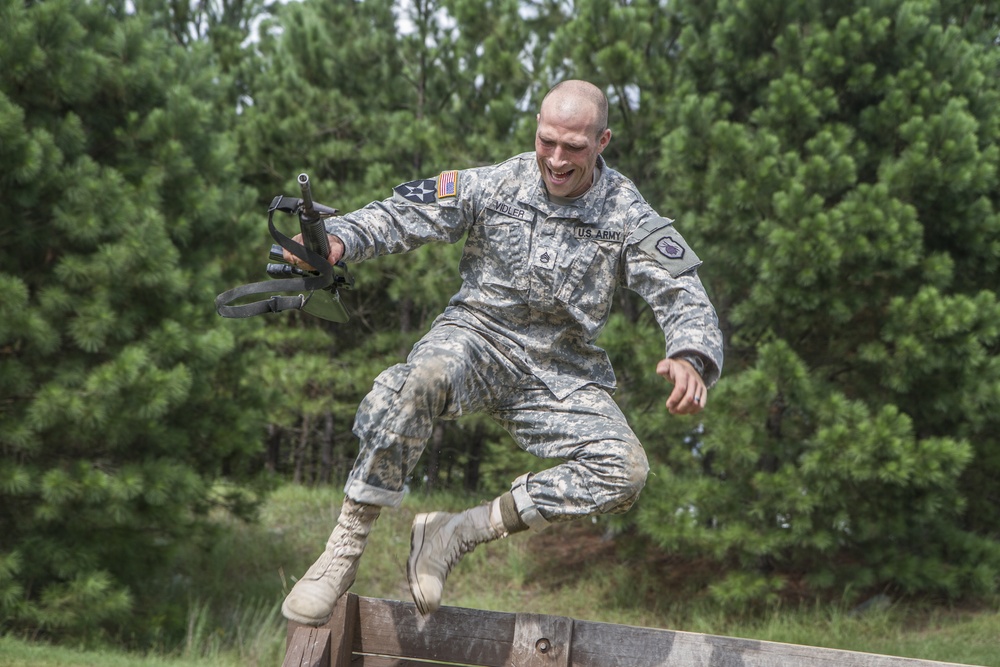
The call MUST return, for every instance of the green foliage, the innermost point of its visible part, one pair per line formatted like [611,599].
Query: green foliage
[122,402]
[832,492]
[837,168]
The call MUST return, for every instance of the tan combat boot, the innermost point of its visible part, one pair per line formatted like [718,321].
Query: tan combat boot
[439,540]
[313,597]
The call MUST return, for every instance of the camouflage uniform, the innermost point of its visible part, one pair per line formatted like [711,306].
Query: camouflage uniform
[517,340]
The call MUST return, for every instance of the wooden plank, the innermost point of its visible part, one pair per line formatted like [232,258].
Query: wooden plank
[342,625]
[388,633]
[451,634]
[541,641]
[607,645]
[309,647]
[295,644]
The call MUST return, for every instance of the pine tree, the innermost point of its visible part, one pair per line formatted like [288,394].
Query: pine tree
[837,167]
[125,415]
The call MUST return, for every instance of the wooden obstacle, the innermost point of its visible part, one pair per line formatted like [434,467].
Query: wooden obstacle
[368,632]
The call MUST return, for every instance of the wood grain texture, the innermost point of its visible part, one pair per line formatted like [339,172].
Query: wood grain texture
[309,647]
[369,632]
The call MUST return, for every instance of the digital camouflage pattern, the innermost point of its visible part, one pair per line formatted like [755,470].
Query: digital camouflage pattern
[518,339]
[454,370]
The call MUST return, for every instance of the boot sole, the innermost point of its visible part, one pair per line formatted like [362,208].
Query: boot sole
[417,531]
[304,620]
[308,620]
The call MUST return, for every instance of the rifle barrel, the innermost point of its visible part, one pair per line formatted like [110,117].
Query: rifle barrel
[310,222]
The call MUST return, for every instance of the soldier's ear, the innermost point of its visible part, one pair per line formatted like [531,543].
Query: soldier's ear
[604,140]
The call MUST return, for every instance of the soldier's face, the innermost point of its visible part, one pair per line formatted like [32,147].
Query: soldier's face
[566,147]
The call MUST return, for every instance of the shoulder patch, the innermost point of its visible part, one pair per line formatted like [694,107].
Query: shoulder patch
[659,239]
[447,184]
[670,247]
[420,191]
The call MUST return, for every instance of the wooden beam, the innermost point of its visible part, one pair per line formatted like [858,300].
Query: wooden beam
[451,634]
[368,632]
[605,645]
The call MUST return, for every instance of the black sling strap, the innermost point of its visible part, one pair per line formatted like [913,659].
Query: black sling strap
[307,284]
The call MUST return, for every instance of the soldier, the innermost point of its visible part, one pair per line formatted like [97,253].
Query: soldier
[551,236]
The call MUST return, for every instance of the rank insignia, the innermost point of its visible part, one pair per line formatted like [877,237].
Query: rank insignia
[447,185]
[421,191]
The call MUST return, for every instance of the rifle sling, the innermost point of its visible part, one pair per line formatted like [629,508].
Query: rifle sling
[278,303]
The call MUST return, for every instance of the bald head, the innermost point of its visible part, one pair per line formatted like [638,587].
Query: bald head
[577,99]
[572,132]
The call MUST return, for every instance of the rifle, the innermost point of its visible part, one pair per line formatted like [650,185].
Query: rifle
[322,298]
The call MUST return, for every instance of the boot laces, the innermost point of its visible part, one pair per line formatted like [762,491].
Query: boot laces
[463,547]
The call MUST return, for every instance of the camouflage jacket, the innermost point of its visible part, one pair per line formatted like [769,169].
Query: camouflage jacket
[538,279]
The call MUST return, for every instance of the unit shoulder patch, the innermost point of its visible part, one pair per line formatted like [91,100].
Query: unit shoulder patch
[664,243]
[420,191]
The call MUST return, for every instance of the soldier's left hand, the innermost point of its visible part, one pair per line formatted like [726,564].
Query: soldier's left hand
[689,395]
[336,252]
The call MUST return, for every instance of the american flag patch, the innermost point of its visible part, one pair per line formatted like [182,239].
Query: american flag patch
[447,184]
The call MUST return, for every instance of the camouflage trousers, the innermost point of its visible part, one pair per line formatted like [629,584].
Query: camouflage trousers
[454,371]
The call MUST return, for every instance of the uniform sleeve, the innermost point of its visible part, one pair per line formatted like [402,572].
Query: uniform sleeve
[422,211]
[663,270]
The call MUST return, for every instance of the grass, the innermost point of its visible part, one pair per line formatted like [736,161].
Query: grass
[20,653]
[232,593]
[951,636]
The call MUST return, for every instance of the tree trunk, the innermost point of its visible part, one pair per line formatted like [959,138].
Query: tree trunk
[475,457]
[298,458]
[272,456]
[326,451]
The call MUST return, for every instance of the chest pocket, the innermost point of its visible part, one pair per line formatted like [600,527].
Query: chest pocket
[591,281]
[581,278]
[496,250]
